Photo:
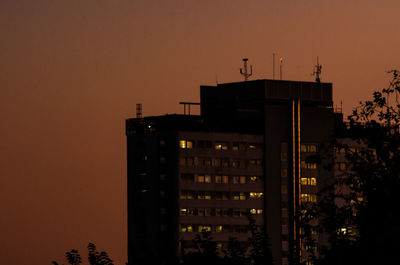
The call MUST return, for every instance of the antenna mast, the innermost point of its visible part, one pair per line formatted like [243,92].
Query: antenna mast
[317,71]
[244,72]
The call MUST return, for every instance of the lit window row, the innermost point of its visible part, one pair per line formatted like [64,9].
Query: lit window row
[220,179]
[308,197]
[308,165]
[308,148]
[215,228]
[308,181]
[218,162]
[218,212]
[223,146]
[219,195]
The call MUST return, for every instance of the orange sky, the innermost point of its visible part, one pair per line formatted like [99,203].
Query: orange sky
[72,71]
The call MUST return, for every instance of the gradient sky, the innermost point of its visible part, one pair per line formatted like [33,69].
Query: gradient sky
[71,72]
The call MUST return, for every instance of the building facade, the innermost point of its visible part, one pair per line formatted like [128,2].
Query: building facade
[245,154]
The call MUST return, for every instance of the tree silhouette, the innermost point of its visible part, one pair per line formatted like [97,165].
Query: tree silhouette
[256,251]
[359,212]
[95,258]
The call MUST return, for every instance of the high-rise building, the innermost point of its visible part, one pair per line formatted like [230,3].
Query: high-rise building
[246,153]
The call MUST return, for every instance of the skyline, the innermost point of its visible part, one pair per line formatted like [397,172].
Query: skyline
[71,72]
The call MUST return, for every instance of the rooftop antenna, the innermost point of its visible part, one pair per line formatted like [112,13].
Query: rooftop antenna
[273,66]
[245,73]
[317,71]
[280,68]
[138,111]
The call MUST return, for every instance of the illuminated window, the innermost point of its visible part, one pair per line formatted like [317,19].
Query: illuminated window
[253,211]
[242,196]
[200,195]
[225,179]
[207,195]
[303,181]
[307,197]
[207,179]
[313,148]
[218,179]
[221,146]
[204,228]
[255,162]
[343,166]
[236,196]
[186,228]
[259,211]
[254,178]
[182,144]
[183,211]
[342,231]
[200,179]
[303,148]
[256,194]
[218,228]
[235,163]
[252,146]
[308,165]
[186,195]
[310,181]
[242,180]
[313,181]
[235,146]
[185,144]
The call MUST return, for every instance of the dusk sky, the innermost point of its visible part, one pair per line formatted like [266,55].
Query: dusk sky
[71,72]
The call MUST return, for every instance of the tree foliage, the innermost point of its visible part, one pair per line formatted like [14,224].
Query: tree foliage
[94,257]
[255,251]
[359,212]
